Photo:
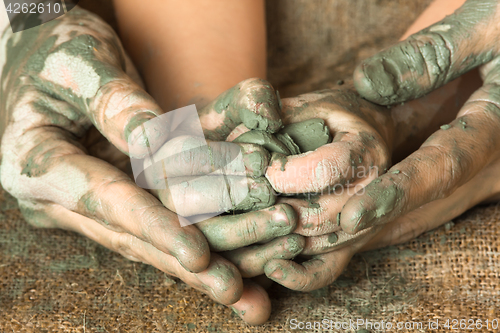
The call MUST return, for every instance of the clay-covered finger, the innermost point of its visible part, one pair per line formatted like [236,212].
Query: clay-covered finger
[250,260]
[195,156]
[220,280]
[254,306]
[252,102]
[48,166]
[229,232]
[432,57]
[313,274]
[188,196]
[446,161]
[481,188]
[333,241]
[350,157]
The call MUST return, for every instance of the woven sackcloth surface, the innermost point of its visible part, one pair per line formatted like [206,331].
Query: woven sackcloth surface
[57,281]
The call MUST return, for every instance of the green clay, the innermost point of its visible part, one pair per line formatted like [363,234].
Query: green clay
[256,161]
[279,157]
[385,200]
[289,143]
[338,219]
[258,197]
[333,238]
[308,226]
[246,115]
[378,79]
[295,244]
[308,135]
[445,127]
[264,139]
[396,172]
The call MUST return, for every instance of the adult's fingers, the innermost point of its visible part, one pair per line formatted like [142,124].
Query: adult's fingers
[230,232]
[46,165]
[250,260]
[252,102]
[430,216]
[432,57]
[446,161]
[220,280]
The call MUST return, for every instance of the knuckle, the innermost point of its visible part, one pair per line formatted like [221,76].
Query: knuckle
[122,243]
[250,231]
[435,51]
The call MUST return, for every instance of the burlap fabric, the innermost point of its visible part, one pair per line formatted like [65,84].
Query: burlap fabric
[56,281]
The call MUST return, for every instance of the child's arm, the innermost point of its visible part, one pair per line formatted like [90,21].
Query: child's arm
[191,51]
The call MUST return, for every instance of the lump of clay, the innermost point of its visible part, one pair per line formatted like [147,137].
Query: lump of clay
[293,139]
[308,135]
[281,143]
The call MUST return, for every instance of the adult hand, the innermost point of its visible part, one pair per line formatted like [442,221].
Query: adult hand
[457,152]
[323,269]
[66,83]
[336,171]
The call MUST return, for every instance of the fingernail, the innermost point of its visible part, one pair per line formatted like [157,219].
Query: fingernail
[294,245]
[276,274]
[333,238]
[365,220]
[290,214]
[136,127]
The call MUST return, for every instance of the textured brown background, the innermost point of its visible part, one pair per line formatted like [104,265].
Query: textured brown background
[56,281]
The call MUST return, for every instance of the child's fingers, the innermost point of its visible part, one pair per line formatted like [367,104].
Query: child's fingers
[252,102]
[229,232]
[250,260]
[188,196]
[194,156]
[350,157]
[330,242]
[313,274]
[320,214]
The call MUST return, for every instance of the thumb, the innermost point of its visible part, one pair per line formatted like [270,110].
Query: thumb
[432,57]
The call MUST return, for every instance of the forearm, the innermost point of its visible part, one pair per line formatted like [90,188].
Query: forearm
[191,51]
